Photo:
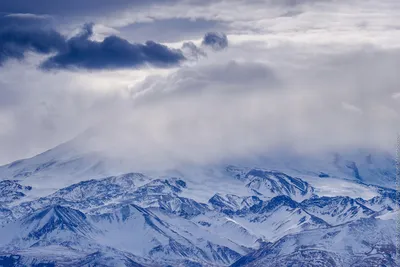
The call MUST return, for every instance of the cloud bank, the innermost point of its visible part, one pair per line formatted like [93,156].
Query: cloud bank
[220,110]
[81,52]
[111,53]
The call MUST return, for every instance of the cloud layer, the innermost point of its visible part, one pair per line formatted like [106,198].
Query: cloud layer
[308,77]
[220,110]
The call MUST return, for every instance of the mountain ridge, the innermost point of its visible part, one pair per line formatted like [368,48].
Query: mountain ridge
[64,208]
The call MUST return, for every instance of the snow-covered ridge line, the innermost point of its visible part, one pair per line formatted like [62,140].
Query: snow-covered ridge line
[63,207]
[91,216]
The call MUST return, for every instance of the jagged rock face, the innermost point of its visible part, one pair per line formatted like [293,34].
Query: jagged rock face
[272,183]
[247,217]
[232,204]
[336,210]
[11,191]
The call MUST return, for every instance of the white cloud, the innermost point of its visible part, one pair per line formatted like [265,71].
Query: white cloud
[396,95]
[351,108]
[28,16]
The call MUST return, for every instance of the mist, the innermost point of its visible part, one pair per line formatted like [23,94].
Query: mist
[224,109]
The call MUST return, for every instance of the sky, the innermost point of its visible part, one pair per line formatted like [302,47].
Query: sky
[171,81]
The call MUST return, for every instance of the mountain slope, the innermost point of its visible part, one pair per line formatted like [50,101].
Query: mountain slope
[366,242]
[51,225]
[157,239]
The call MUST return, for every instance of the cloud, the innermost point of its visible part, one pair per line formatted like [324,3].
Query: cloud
[111,53]
[216,41]
[192,51]
[351,108]
[320,21]
[28,16]
[16,41]
[26,20]
[81,52]
[245,102]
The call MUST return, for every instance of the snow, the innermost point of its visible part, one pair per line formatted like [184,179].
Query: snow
[332,187]
[394,215]
[167,216]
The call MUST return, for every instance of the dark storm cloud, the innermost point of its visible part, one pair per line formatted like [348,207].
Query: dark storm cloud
[216,41]
[16,41]
[111,53]
[81,52]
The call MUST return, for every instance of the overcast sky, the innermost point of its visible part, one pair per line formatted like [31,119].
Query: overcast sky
[200,81]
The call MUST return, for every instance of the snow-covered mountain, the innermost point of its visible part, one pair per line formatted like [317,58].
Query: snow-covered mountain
[69,208]
[364,242]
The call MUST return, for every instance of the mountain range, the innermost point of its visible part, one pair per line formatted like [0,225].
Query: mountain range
[66,207]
